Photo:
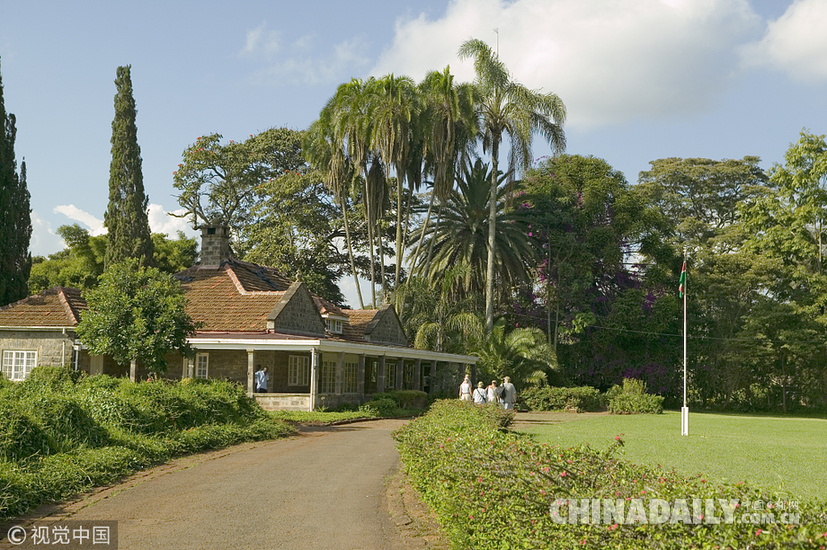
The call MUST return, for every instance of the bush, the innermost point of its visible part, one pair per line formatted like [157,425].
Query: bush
[549,398]
[66,422]
[405,399]
[493,489]
[633,399]
[21,437]
[381,407]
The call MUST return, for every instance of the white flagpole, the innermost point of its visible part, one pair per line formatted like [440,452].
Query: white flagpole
[684,409]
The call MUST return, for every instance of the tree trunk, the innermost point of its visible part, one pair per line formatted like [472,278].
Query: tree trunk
[400,179]
[350,253]
[133,369]
[425,225]
[492,233]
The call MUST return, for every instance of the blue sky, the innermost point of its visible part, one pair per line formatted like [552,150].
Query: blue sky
[642,79]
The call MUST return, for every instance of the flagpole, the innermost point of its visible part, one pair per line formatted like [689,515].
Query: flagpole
[684,409]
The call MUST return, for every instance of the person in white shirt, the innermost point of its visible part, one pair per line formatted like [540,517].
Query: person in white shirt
[261,379]
[493,396]
[479,394]
[465,389]
[509,394]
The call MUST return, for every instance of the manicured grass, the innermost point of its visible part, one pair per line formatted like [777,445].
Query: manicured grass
[780,453]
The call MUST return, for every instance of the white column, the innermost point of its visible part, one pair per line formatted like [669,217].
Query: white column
[360,375]
[340,368]
[251,372]
[314,377]
[400,372]
[380,375]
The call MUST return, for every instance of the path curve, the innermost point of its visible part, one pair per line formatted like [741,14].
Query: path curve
[320,490]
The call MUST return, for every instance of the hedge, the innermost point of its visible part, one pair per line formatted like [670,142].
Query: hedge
[491,489]
[551,398]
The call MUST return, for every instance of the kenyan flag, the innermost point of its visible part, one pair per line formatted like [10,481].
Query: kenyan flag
[682,287]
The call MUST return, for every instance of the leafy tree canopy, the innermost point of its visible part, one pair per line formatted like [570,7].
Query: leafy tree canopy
[136,314]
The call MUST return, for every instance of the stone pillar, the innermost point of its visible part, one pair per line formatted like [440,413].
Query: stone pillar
[133,370]
[474,375]
[251,372]
[400,373]
[380,375]
[432,377]
[340,371]
[314,377]
[360,376]
[417,375]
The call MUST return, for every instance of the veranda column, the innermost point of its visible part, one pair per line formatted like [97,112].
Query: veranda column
[400,372]
[417,377]
[314,377]
[251,371]
[340,369]
[380,375]
[360,376]
[432,376]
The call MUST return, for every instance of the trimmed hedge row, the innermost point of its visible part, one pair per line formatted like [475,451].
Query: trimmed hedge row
[61,434]
[552,398]
[491,489]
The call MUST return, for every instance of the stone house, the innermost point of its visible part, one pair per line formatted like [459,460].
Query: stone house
[251,316]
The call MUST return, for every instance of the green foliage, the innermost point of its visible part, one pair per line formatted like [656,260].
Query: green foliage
[493,489]
[126,215]
[15,215]
[552,398]
[60,436]
[218,182]
[382,407]
[405,399]
[633,399]
[136,314]
[174,255]
[522,354]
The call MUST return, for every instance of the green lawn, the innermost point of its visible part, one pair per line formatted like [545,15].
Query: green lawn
[785,454]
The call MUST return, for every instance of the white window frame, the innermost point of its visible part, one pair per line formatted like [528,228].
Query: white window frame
[349,378]
[17,364]
[390,374]
[298,370]
[327,380]
[333,325]
[197,370]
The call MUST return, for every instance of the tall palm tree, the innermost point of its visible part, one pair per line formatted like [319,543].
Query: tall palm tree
[523,354]
[506,106]
[321,151]
[448,130]
[394,106]
[460,238]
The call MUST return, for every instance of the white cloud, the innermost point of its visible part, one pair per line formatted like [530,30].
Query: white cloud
[72,212]
[609,60]
[261,42]
[303,67]
[796,42]
[44,241]
[160,221]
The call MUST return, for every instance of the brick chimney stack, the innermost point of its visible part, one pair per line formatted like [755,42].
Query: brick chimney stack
[215,245]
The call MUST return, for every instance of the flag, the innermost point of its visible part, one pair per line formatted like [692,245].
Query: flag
[682,287]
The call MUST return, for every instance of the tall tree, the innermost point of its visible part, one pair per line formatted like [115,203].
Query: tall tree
[15,215]
[507,107]
[126,217]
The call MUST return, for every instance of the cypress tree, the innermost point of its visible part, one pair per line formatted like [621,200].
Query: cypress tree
[15,215]
[126,217]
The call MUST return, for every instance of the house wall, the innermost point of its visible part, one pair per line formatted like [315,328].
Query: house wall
[388,331]
[53,347]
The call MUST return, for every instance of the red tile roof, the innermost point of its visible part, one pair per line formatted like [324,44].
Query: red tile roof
[55,307]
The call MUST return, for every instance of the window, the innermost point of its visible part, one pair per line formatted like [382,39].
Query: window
[328,378]
[333,325]
[18,364]
[390,375]
[349,384]
[298,371]
[202,365]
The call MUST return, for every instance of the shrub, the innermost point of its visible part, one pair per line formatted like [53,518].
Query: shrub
[549,398]
[21,437]
[65,421]
[405,399]
[493,489]
[380,407]
[633,399]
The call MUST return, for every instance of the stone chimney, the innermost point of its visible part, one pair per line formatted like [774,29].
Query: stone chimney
[215,245]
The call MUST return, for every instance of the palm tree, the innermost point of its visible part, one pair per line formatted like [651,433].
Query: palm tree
[448,130]
[321,150]
[506,106]
[394,106]
[523,354]
[460,237]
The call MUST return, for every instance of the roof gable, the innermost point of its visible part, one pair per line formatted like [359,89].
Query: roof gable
[386,328]
[296,312]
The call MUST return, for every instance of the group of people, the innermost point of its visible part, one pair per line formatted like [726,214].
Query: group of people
[505,395]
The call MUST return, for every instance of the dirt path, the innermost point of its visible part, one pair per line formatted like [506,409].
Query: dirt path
[327,488]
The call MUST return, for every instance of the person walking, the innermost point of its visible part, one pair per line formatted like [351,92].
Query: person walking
[261,379]
[465,389]
[479,394]
[509,394]
[493,393]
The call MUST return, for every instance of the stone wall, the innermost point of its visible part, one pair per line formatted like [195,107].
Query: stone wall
[388,330]
[53,347]
[297,313]
[283,401]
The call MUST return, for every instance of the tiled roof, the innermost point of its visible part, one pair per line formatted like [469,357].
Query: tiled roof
[55,307]
[230,298]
